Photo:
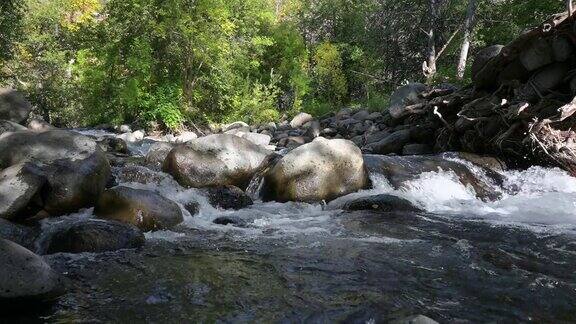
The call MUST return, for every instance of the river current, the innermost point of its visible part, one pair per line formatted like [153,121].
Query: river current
[462,260]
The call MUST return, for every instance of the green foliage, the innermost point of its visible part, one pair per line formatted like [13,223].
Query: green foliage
[84,62]
[11,12]
[329,79]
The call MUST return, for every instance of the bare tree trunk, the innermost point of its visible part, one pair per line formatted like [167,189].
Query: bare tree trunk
[569,6]
[429,66]
[468,27]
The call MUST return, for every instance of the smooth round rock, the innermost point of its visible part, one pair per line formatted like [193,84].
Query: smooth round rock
[25,276]
[321,170]
[215,160]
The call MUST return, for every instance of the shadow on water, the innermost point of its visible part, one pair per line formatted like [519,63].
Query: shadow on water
[377,267]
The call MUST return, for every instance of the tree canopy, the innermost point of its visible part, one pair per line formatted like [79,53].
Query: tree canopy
[174,62]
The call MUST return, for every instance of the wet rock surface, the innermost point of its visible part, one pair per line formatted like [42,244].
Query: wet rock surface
[383,203]
[321,170]
[25,277]
[145,209]
[95,236]
[215,160]
[75,167]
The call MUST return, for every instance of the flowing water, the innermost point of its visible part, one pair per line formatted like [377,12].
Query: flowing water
[462,260]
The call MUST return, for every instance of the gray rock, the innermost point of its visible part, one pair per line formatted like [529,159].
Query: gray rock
[13,106]
[228,197]
[124,129]
[321,170]
[234,125]
[140,174]
[293,141]
[215,160]
[361,115]
[313,130]
[230,220]
[114,145]
[158,153]
[343,113]
[405,96]
[185,137]
[383,203]
[376,137]
[300,119]
[94,235]
[358,140]
[20,189]
[416,149]
[145,209]
[76,168]
[24,276]
[392,143]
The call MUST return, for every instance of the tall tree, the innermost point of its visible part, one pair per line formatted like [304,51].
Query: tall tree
[468,28]
[429,66]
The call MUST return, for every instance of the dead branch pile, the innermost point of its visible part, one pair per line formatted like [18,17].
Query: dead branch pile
[520,106]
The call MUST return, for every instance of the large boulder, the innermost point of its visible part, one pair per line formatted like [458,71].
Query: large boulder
[75,167]
[20,191]
[215,160]
[401,169]
[13,106]
[405,96]
[321,170]
[94,235]
[145,209]
[24,276]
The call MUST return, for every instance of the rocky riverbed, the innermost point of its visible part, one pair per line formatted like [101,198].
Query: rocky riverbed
[357,216]
[451,238]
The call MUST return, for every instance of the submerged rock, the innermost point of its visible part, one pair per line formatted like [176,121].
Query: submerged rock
[401,169]
[228,197]
[383,203]
[230,220]
[145,209]
[13,106]
[75,167]
[321,170]
[20,191]
[94,235]
[215,160]
[24,276]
